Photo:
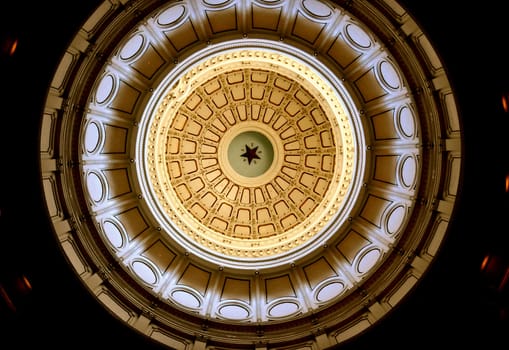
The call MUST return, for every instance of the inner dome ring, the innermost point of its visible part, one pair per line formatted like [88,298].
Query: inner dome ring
[325,138]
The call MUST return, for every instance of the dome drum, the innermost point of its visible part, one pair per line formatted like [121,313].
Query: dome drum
[256,169]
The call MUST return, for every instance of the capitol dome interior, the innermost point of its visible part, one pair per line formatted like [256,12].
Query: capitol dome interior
[265,174]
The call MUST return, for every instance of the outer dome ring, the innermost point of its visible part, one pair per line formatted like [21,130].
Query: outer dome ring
[100,218]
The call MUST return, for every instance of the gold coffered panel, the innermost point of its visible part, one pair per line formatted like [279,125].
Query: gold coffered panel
[308,158]
[197,179]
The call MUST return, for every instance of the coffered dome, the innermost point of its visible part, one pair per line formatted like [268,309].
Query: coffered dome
[227,174]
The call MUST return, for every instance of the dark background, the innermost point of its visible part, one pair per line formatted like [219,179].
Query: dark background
[456,304]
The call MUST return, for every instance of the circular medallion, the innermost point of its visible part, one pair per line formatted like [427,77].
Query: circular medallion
[250,154]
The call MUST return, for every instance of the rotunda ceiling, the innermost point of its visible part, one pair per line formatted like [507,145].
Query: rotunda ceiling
[223,174]
[252,162]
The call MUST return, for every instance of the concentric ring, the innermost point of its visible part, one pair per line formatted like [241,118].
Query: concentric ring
[217,209]
[176,241]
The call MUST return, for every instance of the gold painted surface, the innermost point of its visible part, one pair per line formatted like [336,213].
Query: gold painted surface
[220,98]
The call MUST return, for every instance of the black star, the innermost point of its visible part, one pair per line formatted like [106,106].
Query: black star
[250,153]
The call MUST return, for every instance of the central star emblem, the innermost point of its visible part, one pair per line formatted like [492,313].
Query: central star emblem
[250,154]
